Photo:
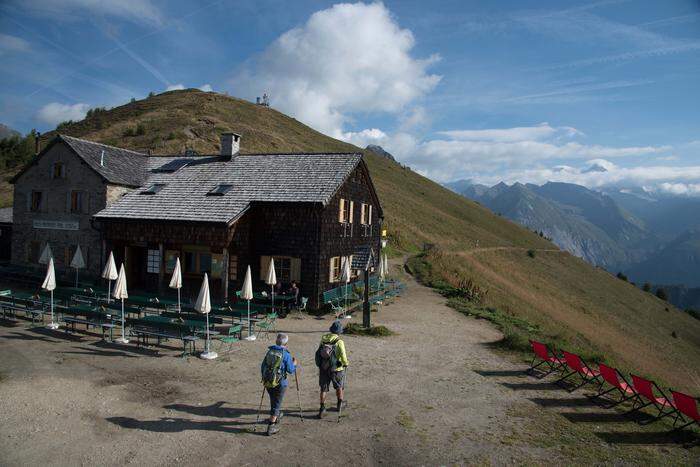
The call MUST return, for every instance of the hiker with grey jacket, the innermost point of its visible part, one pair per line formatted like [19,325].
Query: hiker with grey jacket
[332,362]
[275,367]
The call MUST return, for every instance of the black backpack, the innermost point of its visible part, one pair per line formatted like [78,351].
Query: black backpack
[326,358]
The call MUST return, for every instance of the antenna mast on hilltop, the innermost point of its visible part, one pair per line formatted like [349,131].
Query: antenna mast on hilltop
[264,101]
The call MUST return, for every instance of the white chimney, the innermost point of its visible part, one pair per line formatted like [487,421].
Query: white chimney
[230,144]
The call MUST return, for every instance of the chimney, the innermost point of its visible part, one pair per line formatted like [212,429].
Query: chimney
[230,144]
[37,143]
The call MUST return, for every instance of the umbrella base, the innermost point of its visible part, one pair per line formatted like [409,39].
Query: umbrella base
[53,326]
[121,340]
[210,355]
[249,338]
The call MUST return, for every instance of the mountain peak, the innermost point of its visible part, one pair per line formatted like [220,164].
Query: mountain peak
[380,151]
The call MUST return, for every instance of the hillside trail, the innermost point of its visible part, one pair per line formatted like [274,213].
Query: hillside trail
[435,393]
[475,250]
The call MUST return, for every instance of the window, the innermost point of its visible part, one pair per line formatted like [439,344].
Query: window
[287,268]
[153,189]
[197,262]
[35,201]
[345,211]
[283,269]
[220,190]
[153,261]
[76,201]
[58,170]
[366,214]
[335,269]
[170,259]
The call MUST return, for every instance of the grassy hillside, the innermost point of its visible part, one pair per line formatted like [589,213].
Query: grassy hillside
[557,296]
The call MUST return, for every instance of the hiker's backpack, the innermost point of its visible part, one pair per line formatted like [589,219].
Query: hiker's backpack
[326,358]
[273,368]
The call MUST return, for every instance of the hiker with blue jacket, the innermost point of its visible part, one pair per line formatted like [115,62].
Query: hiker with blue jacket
[277,364]
[332,362]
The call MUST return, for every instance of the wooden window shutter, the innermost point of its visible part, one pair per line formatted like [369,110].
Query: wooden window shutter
[352,211]
[295,269]
[362,213]
[341,212]
[369,217]
[330,271]
[264,264]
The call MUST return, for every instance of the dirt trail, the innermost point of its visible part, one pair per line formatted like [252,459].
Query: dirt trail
[435,393]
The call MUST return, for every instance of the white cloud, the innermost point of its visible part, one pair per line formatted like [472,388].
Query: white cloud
[139,11]
[10,43]
[175,87]
[509,135]
[55,112]
[688,189]
[365,137]
[206,88]
[347,58]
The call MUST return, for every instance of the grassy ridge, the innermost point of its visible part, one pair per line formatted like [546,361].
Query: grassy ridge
[551,295]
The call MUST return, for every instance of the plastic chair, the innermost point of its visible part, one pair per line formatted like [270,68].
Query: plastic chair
[233,336]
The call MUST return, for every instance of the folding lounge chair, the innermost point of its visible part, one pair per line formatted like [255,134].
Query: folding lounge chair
[580,368]
[645,388]
[686,405]
[545,356]
[619,384]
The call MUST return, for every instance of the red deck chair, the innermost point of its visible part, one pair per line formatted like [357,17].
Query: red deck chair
[580,368]
[614,378]
[546,357]
[686,405]
[645,388]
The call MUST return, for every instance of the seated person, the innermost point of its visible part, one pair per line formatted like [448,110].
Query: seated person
[294,292]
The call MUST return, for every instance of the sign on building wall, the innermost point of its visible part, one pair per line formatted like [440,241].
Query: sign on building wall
[56,225]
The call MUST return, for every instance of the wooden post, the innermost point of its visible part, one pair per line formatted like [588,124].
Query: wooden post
[161,269]
[224,279]
[365,306]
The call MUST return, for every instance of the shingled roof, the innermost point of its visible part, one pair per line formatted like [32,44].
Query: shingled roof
[120,166]
[298,178]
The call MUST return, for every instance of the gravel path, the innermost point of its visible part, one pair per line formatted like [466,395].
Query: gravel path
[435,393]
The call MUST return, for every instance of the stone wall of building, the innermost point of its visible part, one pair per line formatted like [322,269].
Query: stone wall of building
[56,221]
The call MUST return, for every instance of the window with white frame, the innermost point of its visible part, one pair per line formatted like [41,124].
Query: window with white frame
[153,262]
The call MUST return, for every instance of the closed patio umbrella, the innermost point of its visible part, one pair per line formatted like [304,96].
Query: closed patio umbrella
[120,293]
[271,280]
[78,262]
[46,254]
[203,305]
[110,273]
[345,277]
[50,284]
[247,294]
[176,282]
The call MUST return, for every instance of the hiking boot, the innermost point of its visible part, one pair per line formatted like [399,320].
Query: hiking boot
[272,429]
[322,411]
[279,417]
[340,404]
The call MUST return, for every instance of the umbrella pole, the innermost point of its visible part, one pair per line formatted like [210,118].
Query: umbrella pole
[272,294]
[109,289]
[250,337]
[76,278]
[179,307]
[123,339]
[53,324]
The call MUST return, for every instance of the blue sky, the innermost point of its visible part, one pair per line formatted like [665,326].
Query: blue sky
[490,91]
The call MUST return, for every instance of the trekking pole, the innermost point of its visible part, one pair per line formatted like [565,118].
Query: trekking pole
[257,421]
[345,386]
[296,377]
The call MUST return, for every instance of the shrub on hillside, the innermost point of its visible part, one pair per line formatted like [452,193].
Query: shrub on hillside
[694,313]
[662,294]
[646,287]
[621,276]
[531,253]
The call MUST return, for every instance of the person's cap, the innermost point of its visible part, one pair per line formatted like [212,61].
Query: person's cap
[336,327]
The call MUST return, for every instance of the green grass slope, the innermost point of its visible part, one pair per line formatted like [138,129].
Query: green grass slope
[557,296]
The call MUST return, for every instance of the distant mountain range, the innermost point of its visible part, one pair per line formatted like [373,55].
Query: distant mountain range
[651,238]
[6,131]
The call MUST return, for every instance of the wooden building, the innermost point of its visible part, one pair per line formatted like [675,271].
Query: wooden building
[221,213]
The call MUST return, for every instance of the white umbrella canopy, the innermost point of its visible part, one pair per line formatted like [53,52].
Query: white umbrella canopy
[386,264]
[46,255]
[109,273]
[176,282]
[203,305]
[50,285]
[120,293]
[382,269]
[78,262]
[247,294]
[271,280]
[50,279]
[345,277]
